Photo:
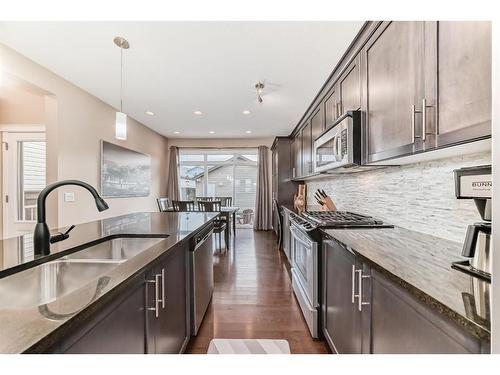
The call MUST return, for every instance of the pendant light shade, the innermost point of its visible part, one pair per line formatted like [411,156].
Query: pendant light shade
[121,118]
[121,126]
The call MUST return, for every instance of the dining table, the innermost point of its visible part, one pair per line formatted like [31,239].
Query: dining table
[229,211]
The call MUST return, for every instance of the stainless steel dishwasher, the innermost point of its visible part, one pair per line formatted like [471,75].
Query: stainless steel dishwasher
[201,276]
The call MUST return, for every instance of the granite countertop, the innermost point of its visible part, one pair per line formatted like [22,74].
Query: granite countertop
[17,253]
[421,263]
[23,326]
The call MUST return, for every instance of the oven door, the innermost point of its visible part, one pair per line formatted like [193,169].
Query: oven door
[305,264]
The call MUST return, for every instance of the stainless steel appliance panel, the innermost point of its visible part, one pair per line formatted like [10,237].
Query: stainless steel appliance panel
[202,278]
[305,263]
[340,146]
[305,276]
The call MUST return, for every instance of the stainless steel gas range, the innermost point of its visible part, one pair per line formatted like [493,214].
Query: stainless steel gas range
[305,253]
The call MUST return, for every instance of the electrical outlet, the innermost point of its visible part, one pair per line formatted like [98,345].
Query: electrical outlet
[69,197]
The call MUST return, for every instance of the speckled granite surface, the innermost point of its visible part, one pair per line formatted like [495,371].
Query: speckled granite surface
[17,252]
[421,264]
[22,327]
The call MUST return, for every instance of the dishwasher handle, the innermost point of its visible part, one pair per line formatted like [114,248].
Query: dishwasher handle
[201,240]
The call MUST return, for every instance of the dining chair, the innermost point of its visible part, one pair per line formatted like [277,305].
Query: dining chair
[183,206]
[205,199]
[163,204]
[220,225]
[225,201]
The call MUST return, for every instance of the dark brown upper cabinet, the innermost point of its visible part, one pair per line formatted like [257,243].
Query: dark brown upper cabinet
[394,79]
[420,86]
[316,124]
[331,107]
[306,149]
[345,95]
[463,80]
[282,170]
[349,88]
[428,85]
[297,156]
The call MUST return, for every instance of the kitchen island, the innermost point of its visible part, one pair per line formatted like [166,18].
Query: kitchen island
[139,278]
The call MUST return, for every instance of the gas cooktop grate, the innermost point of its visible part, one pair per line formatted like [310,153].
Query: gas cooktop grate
[341,218]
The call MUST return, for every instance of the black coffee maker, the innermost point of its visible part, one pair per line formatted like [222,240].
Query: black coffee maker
[475,183]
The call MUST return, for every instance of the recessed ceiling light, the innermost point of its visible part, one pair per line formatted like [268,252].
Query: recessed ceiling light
[198,113]
[246,112]
[176,132]
[150,113]
[248,132]
[211,132]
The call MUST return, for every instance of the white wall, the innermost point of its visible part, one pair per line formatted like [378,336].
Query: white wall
[76,122]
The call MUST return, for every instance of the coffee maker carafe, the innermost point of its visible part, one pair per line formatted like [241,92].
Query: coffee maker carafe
[475,183]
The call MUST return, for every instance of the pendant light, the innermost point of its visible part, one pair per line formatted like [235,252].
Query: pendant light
[121,118]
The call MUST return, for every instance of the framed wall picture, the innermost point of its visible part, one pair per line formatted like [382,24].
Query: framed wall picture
[124,172]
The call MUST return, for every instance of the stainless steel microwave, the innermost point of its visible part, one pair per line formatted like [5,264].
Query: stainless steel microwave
[339,146]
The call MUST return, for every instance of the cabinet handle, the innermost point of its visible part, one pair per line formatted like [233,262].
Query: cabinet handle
[353,281]
[360,291]
[156,281]
[163,288]
[413,113]
[424,118]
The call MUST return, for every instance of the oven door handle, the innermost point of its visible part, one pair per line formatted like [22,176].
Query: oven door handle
[297,238]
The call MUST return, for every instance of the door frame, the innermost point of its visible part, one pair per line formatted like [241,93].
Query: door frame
[4,130]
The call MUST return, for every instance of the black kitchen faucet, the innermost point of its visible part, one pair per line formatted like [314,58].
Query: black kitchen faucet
[41,237]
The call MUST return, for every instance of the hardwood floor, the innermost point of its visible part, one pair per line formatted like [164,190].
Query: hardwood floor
[253,297]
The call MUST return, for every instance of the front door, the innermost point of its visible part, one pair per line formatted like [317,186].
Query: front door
[23,177]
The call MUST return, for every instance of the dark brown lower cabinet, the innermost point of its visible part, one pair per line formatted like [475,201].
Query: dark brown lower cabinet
[167,329]
[341,319]
[121,331]
[147,315]
[401,324]
[365,312]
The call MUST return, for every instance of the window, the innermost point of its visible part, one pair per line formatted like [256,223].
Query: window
[31,176]
[24,172]
[221,173]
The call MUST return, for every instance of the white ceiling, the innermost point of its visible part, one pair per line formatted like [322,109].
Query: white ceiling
[176,68]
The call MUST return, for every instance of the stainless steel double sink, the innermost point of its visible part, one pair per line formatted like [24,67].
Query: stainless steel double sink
[49,281]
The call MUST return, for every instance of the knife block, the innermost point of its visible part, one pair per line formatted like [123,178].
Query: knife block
[329,205]
[299,200]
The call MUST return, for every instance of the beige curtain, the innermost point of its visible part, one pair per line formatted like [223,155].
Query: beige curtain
[173,190]
[263,204]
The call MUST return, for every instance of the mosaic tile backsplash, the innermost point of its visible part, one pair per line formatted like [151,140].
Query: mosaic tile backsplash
[419,197]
